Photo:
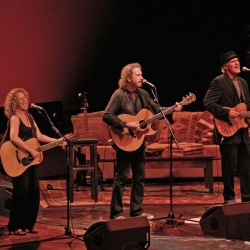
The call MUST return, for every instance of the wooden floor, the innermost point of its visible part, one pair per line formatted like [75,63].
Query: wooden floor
[65,227]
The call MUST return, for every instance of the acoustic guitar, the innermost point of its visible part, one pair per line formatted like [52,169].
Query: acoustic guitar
[83,177]
[129,140]
[230,128]
[16,160]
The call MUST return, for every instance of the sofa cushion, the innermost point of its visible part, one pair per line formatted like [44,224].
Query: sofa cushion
[183,127]
[204,129]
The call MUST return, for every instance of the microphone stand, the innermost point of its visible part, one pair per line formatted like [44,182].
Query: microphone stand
[170,219]
[67,228]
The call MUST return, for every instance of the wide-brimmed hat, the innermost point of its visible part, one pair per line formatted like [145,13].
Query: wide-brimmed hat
[227,57]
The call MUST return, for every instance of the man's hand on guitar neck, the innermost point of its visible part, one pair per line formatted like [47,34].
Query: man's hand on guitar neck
[178,107]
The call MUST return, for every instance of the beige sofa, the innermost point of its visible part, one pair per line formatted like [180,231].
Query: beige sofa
[190,127]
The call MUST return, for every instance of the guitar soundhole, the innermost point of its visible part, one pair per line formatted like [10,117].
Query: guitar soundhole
[26,161]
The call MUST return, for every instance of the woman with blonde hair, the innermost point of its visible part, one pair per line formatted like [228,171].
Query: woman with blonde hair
[26,193]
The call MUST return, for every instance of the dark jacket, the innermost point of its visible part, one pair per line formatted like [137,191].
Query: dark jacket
[121,102]
[221,94]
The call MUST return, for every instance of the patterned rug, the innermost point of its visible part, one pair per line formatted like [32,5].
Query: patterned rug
[183,193]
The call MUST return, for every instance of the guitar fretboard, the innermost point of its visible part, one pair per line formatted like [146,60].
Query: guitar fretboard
[171,109]
[159,115]
[50,145]
[86,133]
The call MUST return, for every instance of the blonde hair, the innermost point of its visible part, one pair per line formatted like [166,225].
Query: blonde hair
[126,73]
[10,104]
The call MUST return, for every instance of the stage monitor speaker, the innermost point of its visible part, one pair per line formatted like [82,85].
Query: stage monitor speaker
[6,190]
[227,221]
[121,234]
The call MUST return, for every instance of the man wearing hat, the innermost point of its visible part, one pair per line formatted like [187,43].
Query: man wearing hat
[225,92]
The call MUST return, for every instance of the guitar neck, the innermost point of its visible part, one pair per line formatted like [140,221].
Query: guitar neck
[160,115]
[50,145]
[86,134]
[85,122]
[245,115]
[190,98]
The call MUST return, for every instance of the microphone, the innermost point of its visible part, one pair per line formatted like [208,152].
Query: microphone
[245,69]
[32,105]
[144,81]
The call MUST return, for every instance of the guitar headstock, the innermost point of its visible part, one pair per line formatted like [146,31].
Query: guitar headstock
[71,136]
[188,99]
[83,100]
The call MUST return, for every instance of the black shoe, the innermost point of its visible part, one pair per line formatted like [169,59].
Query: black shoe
[19,232]
[32,231]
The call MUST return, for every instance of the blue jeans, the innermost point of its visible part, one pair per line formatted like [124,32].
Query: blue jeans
[124,162]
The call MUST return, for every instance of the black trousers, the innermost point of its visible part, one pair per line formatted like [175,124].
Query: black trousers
[235,157]
[124,162]
[25,200]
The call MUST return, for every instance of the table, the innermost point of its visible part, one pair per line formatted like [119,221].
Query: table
[184,161]
[190,161]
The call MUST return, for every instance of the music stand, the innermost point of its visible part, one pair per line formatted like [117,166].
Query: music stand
[170,219]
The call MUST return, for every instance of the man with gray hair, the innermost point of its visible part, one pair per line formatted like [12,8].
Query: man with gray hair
[227,98]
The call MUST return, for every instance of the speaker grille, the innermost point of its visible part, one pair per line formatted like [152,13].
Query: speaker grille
[132,233]
[228,221]
[6,191]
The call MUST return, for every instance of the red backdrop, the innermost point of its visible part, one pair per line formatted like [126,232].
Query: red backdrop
[45,44]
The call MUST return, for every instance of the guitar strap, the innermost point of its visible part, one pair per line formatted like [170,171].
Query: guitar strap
[32,125]
[145,103]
